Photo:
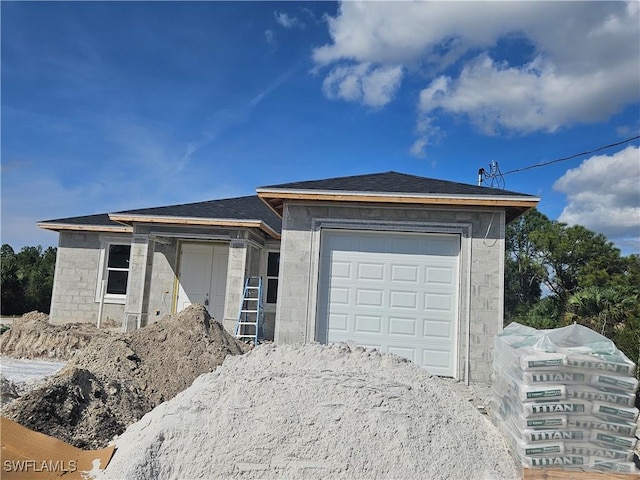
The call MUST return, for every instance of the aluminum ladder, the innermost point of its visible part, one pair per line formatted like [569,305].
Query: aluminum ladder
[251,315]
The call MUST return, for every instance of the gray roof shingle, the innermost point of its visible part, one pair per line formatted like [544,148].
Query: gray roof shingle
[393,182]
[253,208]
[241,208]
[98,220]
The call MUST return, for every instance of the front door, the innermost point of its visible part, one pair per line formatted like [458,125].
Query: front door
[203,277]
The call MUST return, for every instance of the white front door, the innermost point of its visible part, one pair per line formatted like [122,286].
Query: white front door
[203,277]
[397,292]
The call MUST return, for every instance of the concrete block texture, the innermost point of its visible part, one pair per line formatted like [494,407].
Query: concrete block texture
[236,274]
[76,278]
[481,268]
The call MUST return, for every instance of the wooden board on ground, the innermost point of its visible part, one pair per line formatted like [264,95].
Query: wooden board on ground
[31,455]
[558,474]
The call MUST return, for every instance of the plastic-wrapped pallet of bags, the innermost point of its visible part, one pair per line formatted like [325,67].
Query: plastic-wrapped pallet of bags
[565,398]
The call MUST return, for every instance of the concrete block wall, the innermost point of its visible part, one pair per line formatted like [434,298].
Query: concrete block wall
[293,288]
[254,261]
[486,296]
[152,276]
[481,272]
[137,284]
[76,281]
[235,283]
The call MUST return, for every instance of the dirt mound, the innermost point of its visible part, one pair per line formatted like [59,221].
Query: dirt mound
[32,336]
[35,315]
[120,377]
[8,391]
[80,408]
[314,411]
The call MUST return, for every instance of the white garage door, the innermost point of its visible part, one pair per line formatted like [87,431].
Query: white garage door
[397,292]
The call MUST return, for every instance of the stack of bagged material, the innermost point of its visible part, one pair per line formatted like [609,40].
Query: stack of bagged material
[565,397]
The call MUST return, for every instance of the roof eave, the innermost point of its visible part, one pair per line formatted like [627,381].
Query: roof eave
[195,221]
[276,198]
[56,227]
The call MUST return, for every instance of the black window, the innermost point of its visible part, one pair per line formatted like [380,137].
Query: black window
[118,269]
[273,268]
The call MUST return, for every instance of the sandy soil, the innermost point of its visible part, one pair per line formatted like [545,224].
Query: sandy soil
[32,336]
[117,378]
[314,411]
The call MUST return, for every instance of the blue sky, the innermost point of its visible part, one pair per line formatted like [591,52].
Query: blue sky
[111,106]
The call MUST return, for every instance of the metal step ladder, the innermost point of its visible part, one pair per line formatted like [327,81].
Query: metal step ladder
[251,315]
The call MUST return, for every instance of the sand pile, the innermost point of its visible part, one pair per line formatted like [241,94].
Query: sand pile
[315,412]
[119,377]
[32,336]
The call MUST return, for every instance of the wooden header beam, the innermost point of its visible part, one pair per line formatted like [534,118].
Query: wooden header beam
[275,200]
[213,222]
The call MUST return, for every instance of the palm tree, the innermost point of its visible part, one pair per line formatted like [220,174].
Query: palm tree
[603,309]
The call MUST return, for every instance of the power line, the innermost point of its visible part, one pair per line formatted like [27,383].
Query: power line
[572,156]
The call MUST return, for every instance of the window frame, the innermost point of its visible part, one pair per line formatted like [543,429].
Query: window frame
[271,277]
[104,269]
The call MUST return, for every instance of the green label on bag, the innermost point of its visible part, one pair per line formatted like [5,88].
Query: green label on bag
[542,450]
[544,363]
[545,393]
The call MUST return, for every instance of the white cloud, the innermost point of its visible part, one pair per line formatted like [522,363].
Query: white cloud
[533,97]
[603,194]
[288,21]
[581,61]
[427,134]
[362,83]
[270,37]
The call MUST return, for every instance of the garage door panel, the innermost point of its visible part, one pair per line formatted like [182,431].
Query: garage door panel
[436,329]
[406,352]
[369,298]
[439,302]
[404,273]
[440,275]
[368,324]
[338,322]
[370,271]
[341,270]
[402,299]
[340,296]
[403,326]
[438,360]
[391,291]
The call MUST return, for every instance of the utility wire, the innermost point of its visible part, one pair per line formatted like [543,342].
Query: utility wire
[572,156]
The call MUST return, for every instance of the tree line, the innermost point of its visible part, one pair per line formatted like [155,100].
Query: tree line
[557,274]
[27,279]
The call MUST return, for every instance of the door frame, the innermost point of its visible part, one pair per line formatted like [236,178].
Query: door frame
[463,229]
[177,284]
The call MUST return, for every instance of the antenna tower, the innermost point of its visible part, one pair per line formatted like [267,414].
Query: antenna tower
[493,178]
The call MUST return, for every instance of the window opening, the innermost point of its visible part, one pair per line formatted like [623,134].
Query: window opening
[118,269]
[273,269]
